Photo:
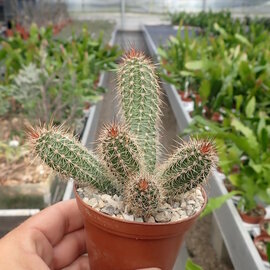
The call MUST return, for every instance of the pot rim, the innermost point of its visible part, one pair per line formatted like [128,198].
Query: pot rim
[258,206]
[144,223]
[261,237]
[258,238]
[265,220]
[261,224]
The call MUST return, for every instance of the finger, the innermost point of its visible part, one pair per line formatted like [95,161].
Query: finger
[57,220]
[69,249]
[81,263]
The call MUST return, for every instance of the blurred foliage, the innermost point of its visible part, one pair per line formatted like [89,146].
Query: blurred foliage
[225,70]
[51,78]
[206,21]
[190,265]
[217,202]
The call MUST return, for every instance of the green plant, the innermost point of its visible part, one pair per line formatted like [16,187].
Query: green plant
[267,228]
[138,84]
[143,195]
[217,202]
[119,167]
[227,66]
[226,71]
[188,167]
[12,153]
[4,100]
[53,78]
[67,157]
[207,20]
[119,151]
[190,265]
[243,153]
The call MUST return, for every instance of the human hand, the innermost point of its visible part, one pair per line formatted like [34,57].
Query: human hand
[52,239]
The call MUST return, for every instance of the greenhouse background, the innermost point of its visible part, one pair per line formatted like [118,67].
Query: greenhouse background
[61,64]
[151,6]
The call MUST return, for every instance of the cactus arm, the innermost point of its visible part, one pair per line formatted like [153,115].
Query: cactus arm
[119,151]
[65,156]
[143,196]
[140,101]
[187,168]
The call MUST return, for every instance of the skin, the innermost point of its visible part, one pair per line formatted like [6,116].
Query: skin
[51,240]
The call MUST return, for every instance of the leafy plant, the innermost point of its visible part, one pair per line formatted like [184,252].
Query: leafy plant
[227,67]
[217,202]
[4,100]
[227,71]
[52,78]
[10,152]
[191,265]
[251,156]
[207,20]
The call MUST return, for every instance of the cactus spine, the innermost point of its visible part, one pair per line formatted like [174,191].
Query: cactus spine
[119,151]
[67,157]
[143,196]
[139,94]
[187,168]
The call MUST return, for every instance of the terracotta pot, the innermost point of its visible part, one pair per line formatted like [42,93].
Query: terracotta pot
[253,219]
[263,230]
[228,185]
[9,33]
[256,242]
[117,244]
[198,99]
[216,117]
[184,97]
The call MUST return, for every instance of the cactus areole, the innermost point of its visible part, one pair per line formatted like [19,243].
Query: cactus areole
[125,163]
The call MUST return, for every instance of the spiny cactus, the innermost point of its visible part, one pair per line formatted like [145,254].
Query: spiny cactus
[66,156]
[120,152]
[143,196]
[139,94]
[187,168]
[127,153]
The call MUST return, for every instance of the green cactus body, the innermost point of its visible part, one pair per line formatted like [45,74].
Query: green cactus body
[67,157]
[143,196]
[140,102]
[119,151]
[187,168]
[127,154]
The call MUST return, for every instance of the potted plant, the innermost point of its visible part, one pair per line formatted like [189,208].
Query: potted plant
[265,227]
[261,242]
[135,210]
[38,76]
[251,212]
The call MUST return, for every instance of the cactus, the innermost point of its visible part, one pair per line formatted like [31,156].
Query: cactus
[126,157]
[187,168]
[119,151]
[67,157]
[143,196]
[139,94]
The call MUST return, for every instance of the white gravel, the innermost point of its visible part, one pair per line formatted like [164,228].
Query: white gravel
[190,203]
